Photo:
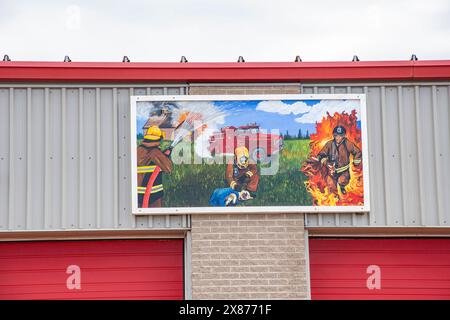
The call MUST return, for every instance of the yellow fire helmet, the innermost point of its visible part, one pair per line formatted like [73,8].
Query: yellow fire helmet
[242,155]
[154,133]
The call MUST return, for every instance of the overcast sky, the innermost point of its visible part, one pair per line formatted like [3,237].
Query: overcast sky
[221,30]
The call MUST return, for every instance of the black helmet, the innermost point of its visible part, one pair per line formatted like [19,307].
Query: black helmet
[339,130]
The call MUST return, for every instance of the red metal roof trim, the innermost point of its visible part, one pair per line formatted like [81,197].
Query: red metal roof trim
[224,72]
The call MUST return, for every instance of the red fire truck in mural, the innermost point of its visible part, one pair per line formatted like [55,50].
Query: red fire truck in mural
[260,143]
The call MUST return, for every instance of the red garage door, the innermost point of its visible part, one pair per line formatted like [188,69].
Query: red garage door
[380,268]
[125,269]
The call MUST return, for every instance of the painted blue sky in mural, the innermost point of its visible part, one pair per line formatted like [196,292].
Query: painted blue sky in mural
[283,115]
[240,113]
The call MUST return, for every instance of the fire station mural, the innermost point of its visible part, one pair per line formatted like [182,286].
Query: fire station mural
[217,153]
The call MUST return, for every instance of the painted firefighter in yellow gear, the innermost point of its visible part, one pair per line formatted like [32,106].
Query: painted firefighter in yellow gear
[242,175]
[149,155]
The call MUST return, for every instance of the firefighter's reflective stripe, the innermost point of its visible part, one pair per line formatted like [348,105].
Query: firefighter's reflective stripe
[357,161]
[146,169]
[249,174]
[342,169]
[155,189]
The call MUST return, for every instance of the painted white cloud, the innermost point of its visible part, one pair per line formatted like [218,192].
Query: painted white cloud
[143,109]
[212,116]
[319,110]
[283,108]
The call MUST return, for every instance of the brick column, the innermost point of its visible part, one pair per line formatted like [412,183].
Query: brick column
[248,256]
[247,89]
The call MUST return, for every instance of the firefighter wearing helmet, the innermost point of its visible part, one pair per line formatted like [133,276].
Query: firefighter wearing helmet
[336,155]
[242,175]
[150,156]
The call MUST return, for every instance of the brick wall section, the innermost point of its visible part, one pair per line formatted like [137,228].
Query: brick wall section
[248,89]
[248,256]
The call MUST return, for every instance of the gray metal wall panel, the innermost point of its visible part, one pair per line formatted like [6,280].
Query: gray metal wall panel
[19,155]
[426,147]
[4,157]
[391,157]
[54,193]
[409,152]
[64,158]
[124,170]
[36,158]
[410,168]
[156,91]
[442,134]
[377,176]
[88,205]
[107,161]
[71,157]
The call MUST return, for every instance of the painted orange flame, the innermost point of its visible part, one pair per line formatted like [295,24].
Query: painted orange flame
[182,118]
[316,184]
[190,118]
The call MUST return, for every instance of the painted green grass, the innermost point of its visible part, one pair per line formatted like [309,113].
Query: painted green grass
[191,185]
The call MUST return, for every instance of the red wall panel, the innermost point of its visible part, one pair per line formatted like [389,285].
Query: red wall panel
[410,268]
[113,269]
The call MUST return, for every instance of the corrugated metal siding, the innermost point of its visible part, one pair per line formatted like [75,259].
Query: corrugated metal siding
[64,153]
[78,159]
[409,153]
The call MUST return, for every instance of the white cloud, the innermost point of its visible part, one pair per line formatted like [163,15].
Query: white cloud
[280,107]
[319,110]
[73,19]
